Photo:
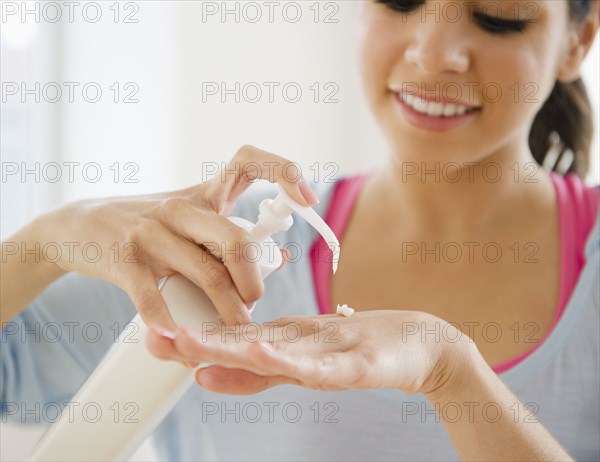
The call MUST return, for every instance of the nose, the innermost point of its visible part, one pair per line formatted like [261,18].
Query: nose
[438,47]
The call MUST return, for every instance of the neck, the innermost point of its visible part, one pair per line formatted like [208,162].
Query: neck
[459,199]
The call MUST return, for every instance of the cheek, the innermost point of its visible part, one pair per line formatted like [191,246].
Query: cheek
[378,53]
[525,77]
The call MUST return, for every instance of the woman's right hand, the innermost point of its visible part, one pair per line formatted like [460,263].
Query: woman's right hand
[145,238]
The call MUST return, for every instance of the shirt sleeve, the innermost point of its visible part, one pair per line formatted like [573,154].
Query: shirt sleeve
[51,347]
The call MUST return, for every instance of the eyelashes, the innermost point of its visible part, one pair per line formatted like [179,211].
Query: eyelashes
[498,25]
[402,6]
[491,24]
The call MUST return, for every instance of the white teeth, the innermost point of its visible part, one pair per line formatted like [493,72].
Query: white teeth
[433,109]
[417,103]
[450,110]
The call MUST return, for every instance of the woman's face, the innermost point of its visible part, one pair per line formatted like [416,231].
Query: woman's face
[484,67]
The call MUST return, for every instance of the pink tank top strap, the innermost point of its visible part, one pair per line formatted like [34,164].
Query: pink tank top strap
[577,210]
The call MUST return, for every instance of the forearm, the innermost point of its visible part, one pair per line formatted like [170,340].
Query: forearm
[24,270]
[486,421]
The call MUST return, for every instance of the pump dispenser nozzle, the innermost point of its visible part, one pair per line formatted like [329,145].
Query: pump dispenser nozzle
[276,215]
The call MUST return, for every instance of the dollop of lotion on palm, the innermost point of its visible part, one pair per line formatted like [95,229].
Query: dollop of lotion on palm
[344,310]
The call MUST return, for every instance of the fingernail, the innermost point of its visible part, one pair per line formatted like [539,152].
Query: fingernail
[198,378]
[308,194]
[165,333]
[251,306]
[192,364]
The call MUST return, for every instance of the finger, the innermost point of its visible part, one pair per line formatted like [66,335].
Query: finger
[222,238]
[160,343]
[332,369]
[309,335]
[233,354]
[142,289]
[251,163]
[339,369]
[202,269]
[220,379]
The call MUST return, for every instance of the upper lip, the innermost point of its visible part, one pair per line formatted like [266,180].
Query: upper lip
[432,97]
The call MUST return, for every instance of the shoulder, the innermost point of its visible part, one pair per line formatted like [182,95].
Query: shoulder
[592,245]
[579,211]
[592,213]
[591,248]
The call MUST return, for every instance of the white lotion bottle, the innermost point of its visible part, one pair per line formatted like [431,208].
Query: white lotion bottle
[131,391]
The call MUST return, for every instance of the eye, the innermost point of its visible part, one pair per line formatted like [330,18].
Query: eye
[489,23]
[402,6]
[498,25]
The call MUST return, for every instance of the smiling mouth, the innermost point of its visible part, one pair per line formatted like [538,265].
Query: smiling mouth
[434,108]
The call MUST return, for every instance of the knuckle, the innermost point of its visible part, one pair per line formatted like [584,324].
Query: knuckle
[238,247]
[173,205]
[140,230]
[133,233]
[245,152]
[215,277]
[245,149]
[145,301]
[238,237]
[199,259]
[254,292]
[241,317]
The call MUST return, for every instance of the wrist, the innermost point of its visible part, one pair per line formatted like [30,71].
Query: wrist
[48,251]
[26,271]
[454,369]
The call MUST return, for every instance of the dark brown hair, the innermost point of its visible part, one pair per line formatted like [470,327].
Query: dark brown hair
[561,134]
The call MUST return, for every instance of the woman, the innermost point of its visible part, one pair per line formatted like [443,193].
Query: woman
[496,263]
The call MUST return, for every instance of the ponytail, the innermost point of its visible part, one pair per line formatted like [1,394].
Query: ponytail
[561,134]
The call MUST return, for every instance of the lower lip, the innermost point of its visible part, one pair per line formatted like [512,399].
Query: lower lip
[432,123]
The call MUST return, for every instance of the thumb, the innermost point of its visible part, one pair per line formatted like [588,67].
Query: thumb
[220,379]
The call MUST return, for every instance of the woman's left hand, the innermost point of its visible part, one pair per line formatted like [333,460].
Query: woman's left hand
[405,350]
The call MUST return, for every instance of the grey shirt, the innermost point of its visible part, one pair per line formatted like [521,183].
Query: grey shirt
[52,346]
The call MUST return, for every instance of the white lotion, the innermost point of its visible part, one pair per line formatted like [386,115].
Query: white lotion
[131,391]
[344,310]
